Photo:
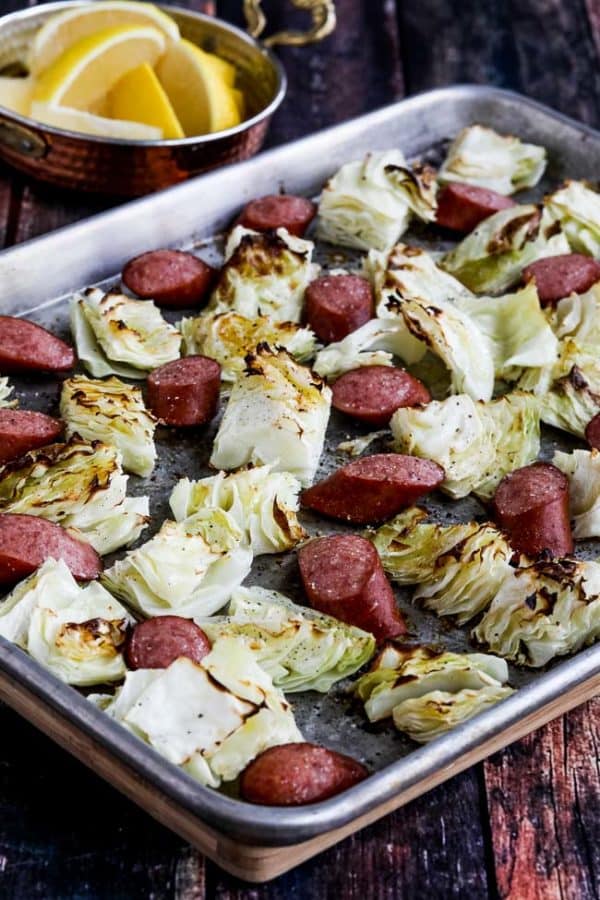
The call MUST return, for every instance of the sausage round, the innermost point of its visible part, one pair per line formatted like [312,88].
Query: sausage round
[157,642]
[171,278]
[22,430]
[373,488]
[295,774]
[558,276]
[185,391]
[278,211]
[532,505]
[343,577]
[372,394]
[462,207]
[336,305]
[28,541]
[592,432]
[27,347]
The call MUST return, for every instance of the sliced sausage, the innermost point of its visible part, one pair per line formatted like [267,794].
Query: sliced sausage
[373,488]
[28,541]
[343,577]
[372,394]
[462,207]
[558,276]
[532,505]
[186,391]
[156,643]
[171,278]
[278,211]
[592,432]
[27,347]
[336,305]
[295,774]
[22,430]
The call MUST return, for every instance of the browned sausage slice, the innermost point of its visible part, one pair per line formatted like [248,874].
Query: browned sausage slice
[343,577]
[27,347]
[278,211]
[295,774]
[28,541]
[156,643]
[336,305]
[171,278]
[22,430]
[592,432]
[373,488]
[185,391]
[558,276]
[372,394]
[462,207]
[532,505]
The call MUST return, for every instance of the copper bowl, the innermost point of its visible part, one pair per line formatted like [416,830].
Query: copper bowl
[132,168]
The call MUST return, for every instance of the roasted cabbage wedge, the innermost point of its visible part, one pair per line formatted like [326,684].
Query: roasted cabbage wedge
[476,443]
[369,202]
[458,568]
[301,649]
[582,468]
[188,568]
[229,337]
[76,632]
[491,258]
[409,682]
[577,207]
[264,275]
[568,391]
[517,331]
[114,412]
[577,317]
[277,413]
[211,718]
[79,485]
[499,162]
[545,610]
[7,401]
[116,335]
[262,503]
[373,344]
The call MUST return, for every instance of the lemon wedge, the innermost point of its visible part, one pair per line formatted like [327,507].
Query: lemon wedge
[92,66]
[86,123]
[197,86]
[15,94]
[140,97]
[65,29]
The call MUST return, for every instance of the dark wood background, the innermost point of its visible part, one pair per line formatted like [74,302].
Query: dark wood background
[526,824]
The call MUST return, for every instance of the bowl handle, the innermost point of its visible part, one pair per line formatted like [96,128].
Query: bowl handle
[323,17]
[22,140]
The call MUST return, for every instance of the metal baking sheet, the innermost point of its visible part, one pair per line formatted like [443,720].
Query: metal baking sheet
[36,280]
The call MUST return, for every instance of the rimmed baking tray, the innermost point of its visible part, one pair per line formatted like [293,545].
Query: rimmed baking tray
[258,843]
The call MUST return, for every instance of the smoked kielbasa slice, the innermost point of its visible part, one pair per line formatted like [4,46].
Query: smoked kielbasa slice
[374,488]
[171,278]
[28,541]
[185,391]
[27,347]
[532,505]
[22,430]
[592,432]
[336,305]
[462,207]
[157,642]
[372,394]
[343,577]
[295,774]
[558,276]
[278,211]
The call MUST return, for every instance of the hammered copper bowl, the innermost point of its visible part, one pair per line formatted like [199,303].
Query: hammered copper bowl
[132,168]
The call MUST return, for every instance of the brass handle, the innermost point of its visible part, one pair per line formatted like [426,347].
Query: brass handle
[323,17]
[22,140]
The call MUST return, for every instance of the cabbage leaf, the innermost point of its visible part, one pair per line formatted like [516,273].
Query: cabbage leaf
[373,344]
[502,163]
[577,317]
[577,207]
[425,718]
[582,468]
[6,389]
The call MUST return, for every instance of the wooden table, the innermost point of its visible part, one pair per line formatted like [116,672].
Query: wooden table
[524,825]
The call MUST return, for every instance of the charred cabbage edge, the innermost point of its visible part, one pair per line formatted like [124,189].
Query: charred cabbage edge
[486,159]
